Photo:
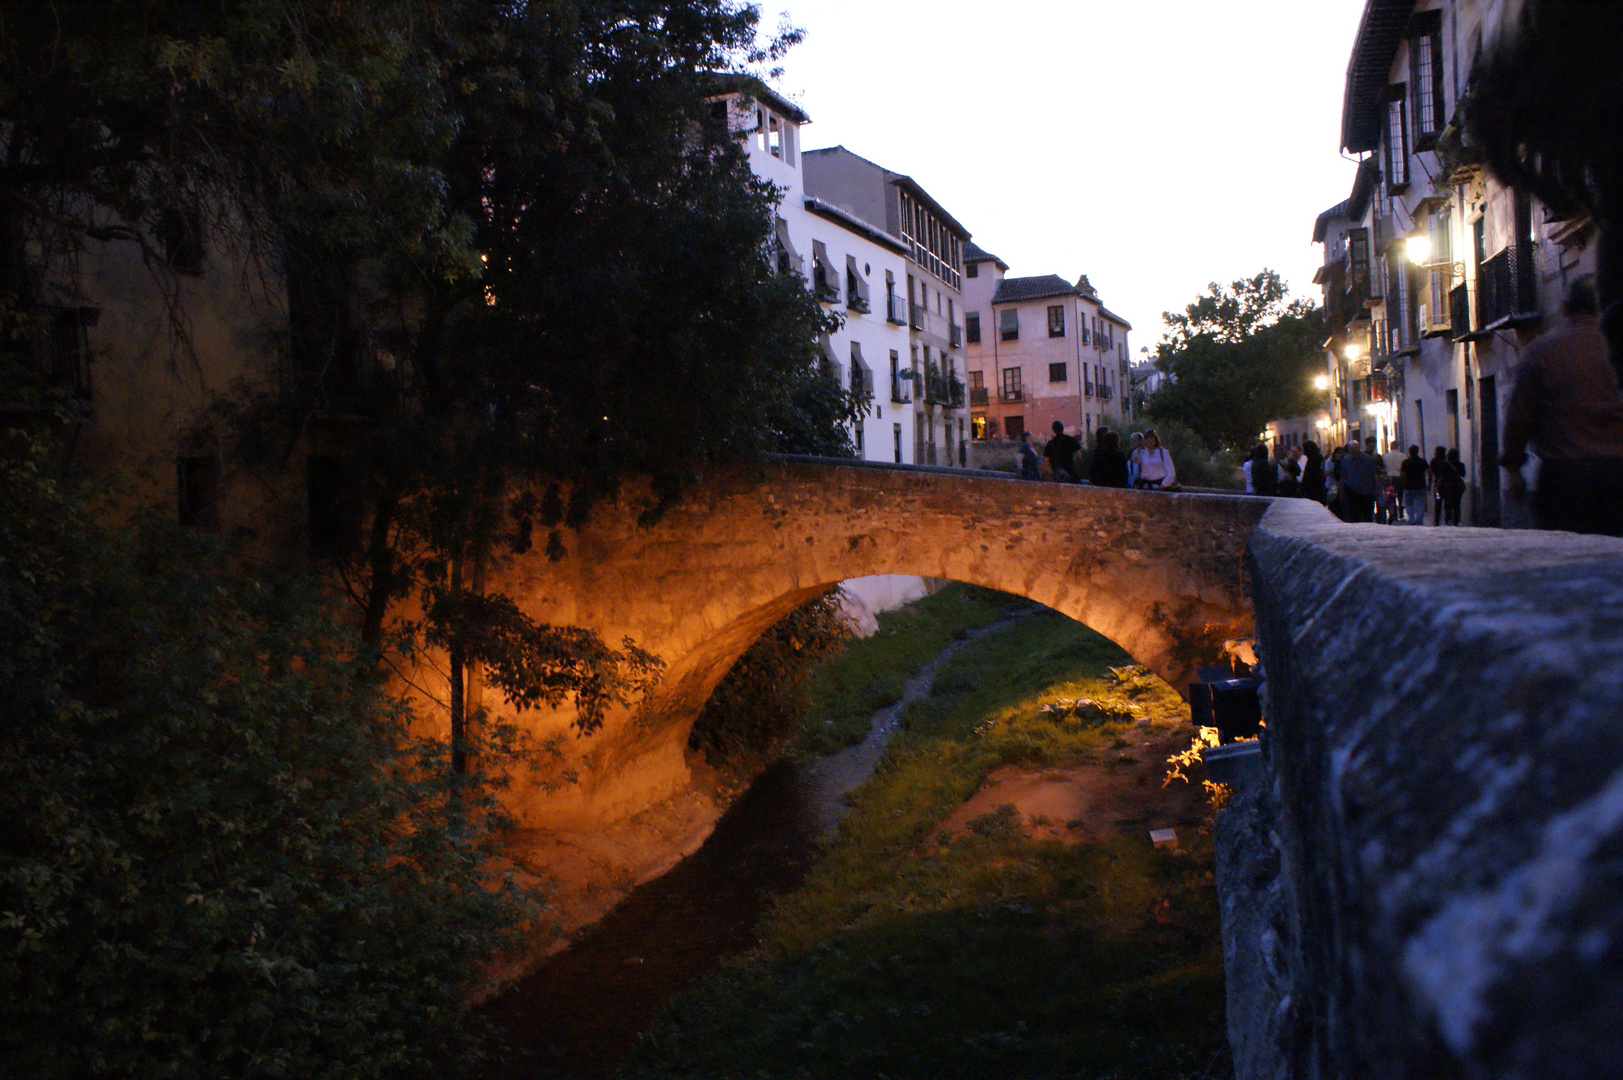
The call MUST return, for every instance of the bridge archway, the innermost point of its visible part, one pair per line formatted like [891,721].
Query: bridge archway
[1161,575]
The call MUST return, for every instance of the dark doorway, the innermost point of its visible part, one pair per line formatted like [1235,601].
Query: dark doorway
[1487,479]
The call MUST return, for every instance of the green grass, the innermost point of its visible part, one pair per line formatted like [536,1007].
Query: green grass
[871,673]
[990,956]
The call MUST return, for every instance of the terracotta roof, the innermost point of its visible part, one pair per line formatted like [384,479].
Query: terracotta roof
[974,253]
[1015,290]
[1322,223]
[1113,317]
[751,87]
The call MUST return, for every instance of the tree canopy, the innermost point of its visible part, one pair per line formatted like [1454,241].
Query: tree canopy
[522,265]
[1239,357]
[223,854]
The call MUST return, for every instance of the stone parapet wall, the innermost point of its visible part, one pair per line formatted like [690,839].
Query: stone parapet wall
[1427,879]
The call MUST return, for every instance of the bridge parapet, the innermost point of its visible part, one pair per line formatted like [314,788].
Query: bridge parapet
[1427,881]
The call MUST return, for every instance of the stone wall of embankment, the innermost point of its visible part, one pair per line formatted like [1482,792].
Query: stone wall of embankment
[1426,878]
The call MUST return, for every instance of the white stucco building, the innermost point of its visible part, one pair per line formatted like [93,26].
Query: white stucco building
[852,266]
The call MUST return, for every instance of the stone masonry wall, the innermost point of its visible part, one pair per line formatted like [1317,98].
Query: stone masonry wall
[1160,574]
[1427,880]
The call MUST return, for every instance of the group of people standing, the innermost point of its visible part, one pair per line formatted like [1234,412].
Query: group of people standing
[1145,464]
[1357,484]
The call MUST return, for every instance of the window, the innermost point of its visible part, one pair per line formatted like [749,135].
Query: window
[896,441]
[774,136]
[334,507]
[1441,276]
[972,327]
[1358,265]
[856,286]
[1014,427]
[1012,390]
[1056,320]
[1397,139]
[1426,77]
[1009,324]
[180,234]
[825,284]
[972,270]
[198,484]
[1057,373]
[788,257]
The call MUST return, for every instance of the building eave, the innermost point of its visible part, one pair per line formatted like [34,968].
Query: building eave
[1368,71]
[852,223]
[755,89]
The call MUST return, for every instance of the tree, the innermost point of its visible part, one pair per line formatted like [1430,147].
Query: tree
[1238,358]
[521,266]
[223,855]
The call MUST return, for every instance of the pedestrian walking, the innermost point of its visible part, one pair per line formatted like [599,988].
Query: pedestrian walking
[1413,476]
[1061,453]
[1566,405]
[1027,458]
[1313,483]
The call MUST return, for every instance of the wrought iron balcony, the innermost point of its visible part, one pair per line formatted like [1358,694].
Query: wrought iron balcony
[1106,393]
[1507,289]
[977,395]
[896,309]
[1012,395]
[901,387]
[955,335]
[861,381]
[917,312]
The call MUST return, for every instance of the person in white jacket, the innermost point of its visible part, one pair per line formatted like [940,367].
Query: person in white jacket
[1155,470]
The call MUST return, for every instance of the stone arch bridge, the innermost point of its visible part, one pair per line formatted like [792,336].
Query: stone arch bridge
[1162,575]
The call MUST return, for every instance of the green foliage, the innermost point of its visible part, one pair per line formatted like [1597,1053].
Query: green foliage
[872,672]
[509,240]
[1239,357]
[988,953]
[224,854]
[762,701]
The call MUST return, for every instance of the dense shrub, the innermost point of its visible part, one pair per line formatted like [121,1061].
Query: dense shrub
[762,701]
[223,855]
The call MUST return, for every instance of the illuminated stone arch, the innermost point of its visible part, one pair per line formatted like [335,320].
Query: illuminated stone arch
[1161,575]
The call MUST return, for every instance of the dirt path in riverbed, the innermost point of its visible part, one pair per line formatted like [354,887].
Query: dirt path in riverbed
[1084,803]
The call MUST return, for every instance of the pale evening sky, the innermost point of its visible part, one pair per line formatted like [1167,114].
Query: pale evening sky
[1154,145]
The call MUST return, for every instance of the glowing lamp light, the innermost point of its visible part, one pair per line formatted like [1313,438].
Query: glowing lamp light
[1321,382]
[1352,350]
[1418,248]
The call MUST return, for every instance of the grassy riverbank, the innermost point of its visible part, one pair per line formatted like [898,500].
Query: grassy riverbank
[871,672]
[992,943]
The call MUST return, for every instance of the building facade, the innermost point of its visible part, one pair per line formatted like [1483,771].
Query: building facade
[854,266]
[1435,275]
[1041,349]
[932,291]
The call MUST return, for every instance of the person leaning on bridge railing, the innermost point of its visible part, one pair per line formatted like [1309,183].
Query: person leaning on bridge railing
[1155,469]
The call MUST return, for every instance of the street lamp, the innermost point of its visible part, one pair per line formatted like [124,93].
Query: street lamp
[1321,383]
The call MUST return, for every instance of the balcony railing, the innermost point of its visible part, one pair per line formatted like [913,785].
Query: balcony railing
[977,395]
[955,393]
[901,387]
[955,336]
[1507,289]
[916,310]
[896,309]
[1012,395]
[861,381]
[1106,393]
